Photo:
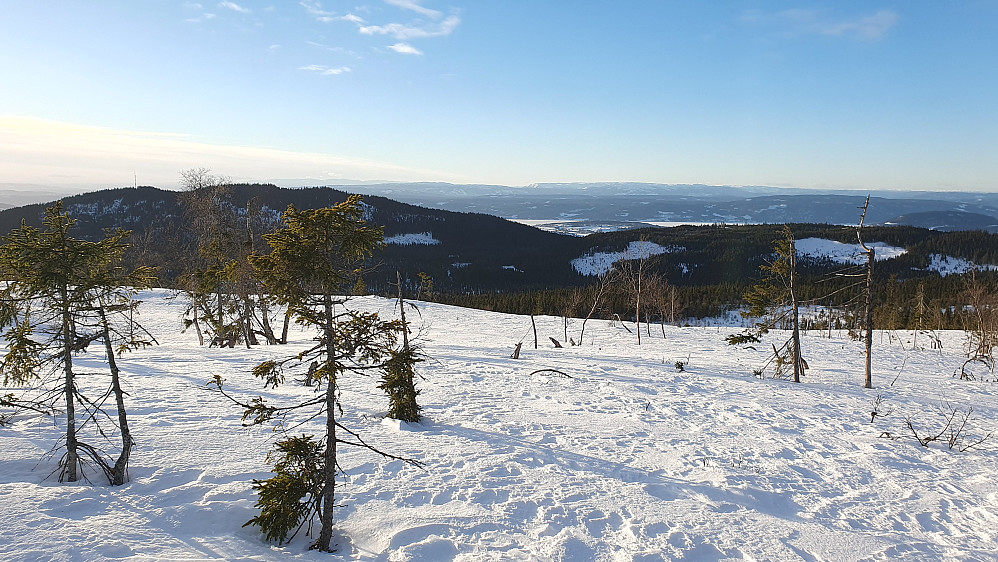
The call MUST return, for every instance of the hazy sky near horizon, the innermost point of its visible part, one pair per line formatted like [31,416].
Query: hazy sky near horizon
[837,94]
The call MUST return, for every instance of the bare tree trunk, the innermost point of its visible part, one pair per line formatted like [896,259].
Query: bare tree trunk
[672,304]
[798,367]
[870,255]
[119,473]
[69,470]
[268,330]
[197,325]
[405,325]
[534,324]
[287,323]
[219,322]
[246,325]
[637,301]
[329,478]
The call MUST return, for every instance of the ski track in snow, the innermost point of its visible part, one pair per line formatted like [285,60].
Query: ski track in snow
[627,460]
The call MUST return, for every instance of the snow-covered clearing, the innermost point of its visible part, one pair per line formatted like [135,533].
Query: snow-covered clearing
[414,239]
[627,460]
[948,265]
[845,253]
[599,263]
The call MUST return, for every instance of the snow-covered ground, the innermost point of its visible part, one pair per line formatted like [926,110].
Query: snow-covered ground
[630,459]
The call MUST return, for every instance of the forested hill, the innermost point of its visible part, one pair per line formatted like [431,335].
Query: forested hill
[470,253]
[461,251]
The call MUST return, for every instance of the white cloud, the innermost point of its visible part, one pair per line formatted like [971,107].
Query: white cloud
[796,22]
[41,152]
[325,70]
[403,31]
[405,49]
[414,6]
[234,7]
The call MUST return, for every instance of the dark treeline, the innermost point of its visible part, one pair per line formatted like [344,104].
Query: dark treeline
[931,302]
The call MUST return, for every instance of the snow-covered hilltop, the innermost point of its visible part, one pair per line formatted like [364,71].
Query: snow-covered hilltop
[629,459]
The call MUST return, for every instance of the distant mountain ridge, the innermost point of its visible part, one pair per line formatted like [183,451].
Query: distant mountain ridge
[624,202]
[948,220]
[627,204]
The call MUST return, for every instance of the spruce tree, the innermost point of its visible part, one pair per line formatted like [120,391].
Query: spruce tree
[399,379]
[313,261]
[776,301]
[62,294]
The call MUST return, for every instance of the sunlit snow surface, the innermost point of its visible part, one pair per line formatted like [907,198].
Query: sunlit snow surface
[845,253]
[627,460]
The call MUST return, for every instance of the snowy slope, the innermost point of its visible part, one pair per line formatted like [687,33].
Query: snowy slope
[627,460]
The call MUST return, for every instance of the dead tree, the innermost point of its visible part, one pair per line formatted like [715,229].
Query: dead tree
[870,256]
[599,293]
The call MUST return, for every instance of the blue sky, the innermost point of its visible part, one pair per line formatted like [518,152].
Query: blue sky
[845,94]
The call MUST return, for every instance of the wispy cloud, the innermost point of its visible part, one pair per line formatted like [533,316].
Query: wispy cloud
[403,32]
[325,70]
[325,47]
[413,5]
[202,18]
[234,7]
[796,22]
[405,49]
[352,18]
[314,8]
